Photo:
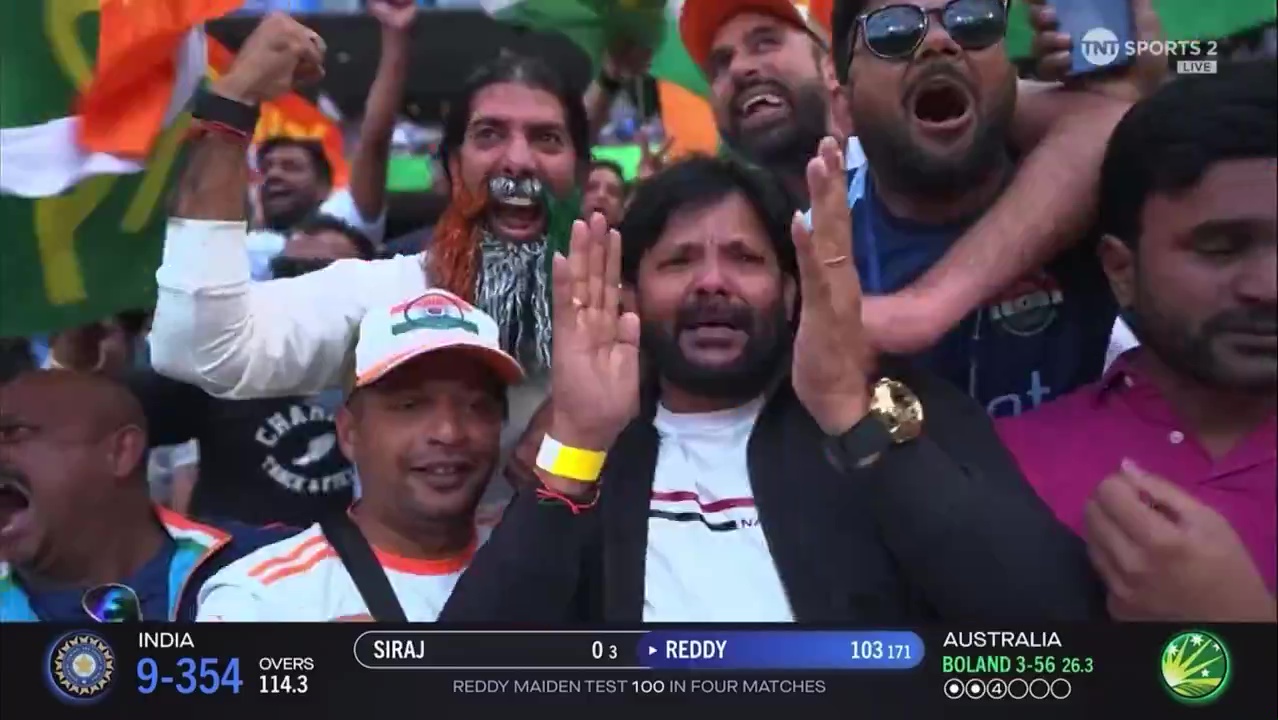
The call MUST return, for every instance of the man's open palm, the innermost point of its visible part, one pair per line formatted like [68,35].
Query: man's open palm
[595,356]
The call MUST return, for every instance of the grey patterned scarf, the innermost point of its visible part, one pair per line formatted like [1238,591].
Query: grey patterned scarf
[513,288]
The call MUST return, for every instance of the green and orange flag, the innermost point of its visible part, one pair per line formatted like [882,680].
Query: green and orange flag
[93,96]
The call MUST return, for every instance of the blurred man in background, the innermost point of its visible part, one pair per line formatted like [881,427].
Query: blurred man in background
[605,191]
[296,176]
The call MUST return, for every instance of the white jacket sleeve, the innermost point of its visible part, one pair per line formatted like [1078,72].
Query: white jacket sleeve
[235,339]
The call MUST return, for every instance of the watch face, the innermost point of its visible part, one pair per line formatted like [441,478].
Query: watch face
[900,409]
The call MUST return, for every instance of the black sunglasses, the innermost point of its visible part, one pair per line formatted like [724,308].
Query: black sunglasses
[896,31]
[112,603]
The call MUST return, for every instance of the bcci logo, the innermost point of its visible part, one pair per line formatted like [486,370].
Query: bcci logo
[434,311]
[1099,46]
[1195,667]
[1029,307]
[81,667]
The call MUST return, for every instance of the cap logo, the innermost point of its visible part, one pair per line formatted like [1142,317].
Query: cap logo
[433,311]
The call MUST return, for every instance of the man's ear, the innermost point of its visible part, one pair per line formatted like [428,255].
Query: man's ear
[127,451]
[1119,263]
[347,431]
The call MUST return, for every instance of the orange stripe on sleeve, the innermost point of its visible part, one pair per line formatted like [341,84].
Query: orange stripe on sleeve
[291,570]
[292,556]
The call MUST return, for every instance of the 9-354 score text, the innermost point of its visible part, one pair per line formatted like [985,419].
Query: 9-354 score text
[179,668]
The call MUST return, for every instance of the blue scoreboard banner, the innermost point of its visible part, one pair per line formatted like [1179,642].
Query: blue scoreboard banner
[351,670]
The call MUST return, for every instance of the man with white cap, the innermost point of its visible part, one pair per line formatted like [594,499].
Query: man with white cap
[422,424]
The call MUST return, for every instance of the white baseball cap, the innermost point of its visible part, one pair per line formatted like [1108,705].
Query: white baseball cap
[438,320]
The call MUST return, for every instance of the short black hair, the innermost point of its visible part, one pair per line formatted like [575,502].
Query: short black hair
[313,148]
[1166,142]
[842,22]
[531,72]
[320,222]
[610,165]
[698,181]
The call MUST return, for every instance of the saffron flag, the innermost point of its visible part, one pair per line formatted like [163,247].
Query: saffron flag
[92,100]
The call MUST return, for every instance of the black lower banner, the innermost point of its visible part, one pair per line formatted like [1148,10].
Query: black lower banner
[338,669]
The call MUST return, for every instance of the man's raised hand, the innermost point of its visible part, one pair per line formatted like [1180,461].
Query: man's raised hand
[595,349]
[278,56]
[832,359]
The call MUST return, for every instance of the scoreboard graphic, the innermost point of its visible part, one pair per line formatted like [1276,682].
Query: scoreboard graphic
[111,670]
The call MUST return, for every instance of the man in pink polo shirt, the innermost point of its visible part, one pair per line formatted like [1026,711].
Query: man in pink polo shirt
[1167,465]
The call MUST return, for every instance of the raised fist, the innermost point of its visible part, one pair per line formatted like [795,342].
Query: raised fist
[280,55]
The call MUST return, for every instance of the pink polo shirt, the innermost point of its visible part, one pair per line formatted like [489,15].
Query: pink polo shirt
[1068,446]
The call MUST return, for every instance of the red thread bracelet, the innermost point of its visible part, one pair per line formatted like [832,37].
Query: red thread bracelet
[205,127]
[546,494]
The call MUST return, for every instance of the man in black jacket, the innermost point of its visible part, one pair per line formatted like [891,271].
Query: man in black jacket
[771,476]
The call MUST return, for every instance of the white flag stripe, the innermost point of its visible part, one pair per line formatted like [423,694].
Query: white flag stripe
[44,160]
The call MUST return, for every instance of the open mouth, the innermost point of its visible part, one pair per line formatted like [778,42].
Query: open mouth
[516,210]
[276,193]
[762,103]
[941,103]
[713,330]
[15,501]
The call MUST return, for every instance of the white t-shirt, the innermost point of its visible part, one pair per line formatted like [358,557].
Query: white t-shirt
[301,579]
[1122,340]
[263,245]
[707,558]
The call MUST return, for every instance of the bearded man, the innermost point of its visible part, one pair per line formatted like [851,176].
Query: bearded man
[514,149]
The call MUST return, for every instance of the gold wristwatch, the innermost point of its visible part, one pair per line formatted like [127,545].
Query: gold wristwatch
[895,417]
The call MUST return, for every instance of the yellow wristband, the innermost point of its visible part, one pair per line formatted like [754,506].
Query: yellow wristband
[573,463]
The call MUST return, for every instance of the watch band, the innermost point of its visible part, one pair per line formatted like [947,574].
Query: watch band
[860,446]
[213,108]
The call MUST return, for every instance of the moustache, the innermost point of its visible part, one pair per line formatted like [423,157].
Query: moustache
[12,476]
[1249,321]
[504,188]
[283,267]
[713,312]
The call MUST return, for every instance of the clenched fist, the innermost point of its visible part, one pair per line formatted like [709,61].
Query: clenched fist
[280,55]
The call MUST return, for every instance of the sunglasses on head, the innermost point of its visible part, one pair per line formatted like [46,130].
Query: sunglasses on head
[112,603]
[896,31]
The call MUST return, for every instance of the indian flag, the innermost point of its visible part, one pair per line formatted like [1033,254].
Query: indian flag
[92,94]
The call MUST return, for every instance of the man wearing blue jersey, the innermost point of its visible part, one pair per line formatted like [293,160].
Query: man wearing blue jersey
[932,94]
[80,539]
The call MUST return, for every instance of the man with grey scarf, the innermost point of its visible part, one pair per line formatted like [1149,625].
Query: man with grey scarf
[515,146]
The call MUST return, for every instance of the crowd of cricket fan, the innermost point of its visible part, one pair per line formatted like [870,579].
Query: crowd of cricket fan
[927,340]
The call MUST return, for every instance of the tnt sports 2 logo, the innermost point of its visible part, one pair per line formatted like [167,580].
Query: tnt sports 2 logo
[1101,48]
[434,311]
[1195,667]
[80,667]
